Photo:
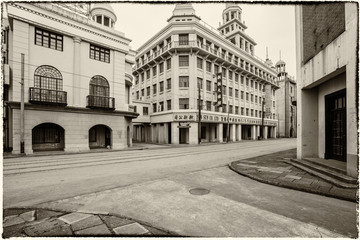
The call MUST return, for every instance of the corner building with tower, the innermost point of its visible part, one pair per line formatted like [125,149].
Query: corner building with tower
[188,54]
[76,70]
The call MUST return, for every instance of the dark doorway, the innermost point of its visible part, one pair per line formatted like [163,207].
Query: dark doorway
[47,137]
[335,116]
[128,136]
[169,133]
[100,137]
[183,135]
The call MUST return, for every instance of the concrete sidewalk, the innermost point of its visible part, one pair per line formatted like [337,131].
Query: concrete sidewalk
[273,169]
[49,223]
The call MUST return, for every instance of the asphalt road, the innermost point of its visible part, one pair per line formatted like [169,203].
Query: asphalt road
[153,186]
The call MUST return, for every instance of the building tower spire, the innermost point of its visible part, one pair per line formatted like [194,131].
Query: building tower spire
[183,10]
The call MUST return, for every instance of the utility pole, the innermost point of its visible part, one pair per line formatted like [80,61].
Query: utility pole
[228,123]
[199,106]
[22,116]
[262,119]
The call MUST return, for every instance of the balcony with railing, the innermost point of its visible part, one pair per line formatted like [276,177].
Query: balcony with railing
[48,96]
[93,101]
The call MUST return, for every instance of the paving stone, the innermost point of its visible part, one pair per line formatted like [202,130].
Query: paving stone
[131,229]
[13,231]
[28,216]
[12,220]
[156,232]
[292,177]
[86,223]
[42,213]
[74,217]
[113,222]
[52,227]
[100,230]
[14,211]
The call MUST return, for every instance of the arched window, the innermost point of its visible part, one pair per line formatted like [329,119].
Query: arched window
[99,86]
[48,77]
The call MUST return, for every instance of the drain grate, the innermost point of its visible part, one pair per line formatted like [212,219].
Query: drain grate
[199,191]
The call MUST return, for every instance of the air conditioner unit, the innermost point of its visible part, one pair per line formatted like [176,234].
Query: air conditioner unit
[6,74]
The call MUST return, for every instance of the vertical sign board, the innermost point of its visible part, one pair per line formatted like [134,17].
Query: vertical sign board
[219,92]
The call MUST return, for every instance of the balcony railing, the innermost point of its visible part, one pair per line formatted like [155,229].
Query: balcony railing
[93,101]
[56,97]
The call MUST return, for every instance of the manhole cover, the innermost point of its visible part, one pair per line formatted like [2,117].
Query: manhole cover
[199,191]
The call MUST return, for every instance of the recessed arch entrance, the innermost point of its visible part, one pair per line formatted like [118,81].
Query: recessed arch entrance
[100,136]
[48,137]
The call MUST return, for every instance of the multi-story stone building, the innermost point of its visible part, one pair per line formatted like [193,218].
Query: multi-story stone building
[285,102]
[187,55]
[328,82]
[76,71]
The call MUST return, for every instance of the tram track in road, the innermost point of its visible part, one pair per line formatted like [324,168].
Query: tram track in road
[55,164]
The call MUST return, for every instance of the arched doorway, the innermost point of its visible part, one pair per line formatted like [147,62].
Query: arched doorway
[48,137]
[100,136]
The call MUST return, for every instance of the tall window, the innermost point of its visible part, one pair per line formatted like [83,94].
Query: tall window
[142,92]
[208,105]
[161,67]
[145,111]
[48,77]
[184,81]
[168,83]
[208,85]
[168,63]
[148,91]
[230,92]
[199,63]
[48,39]
[224,90]
[161,106]
[99,86]
[208,66]
[168,104]
[154,107]
[236,93]
[200,83]
[183,103]
[148,74]
[183,39]
[154,71]
[242,94]
[99,53]
[154,89]
[183,61]
[161,85]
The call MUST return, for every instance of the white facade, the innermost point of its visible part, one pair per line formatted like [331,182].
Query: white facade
[77,75]
[327,85]
[187,53]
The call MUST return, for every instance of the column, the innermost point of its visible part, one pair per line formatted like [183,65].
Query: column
[253,132]
[193,133]
[232,132]
[212,132]
[274,131]
[257,132]
[76,76]
[238,132]
[174,133]
[265,132]
[220,132]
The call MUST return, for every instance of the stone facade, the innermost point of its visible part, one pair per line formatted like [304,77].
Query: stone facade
[328,86]
[76,75]
[188,54]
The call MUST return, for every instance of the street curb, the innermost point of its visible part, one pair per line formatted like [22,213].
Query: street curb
[279,184]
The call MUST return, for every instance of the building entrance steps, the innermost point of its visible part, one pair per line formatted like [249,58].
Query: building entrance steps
[329,170]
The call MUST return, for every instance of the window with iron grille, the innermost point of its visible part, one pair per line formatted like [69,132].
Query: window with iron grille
[161,84]
[48,77]
[99,53]
[154,89]
[184,81]
[148,91]
[168,83]
[161,67]
[168,104]
[183,103]
[183,61]
[168,63]
[145,111]
[99,86]
[48,39]
[199,63]
[208,66]
[183,39]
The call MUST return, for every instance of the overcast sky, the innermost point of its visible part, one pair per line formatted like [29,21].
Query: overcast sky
[270,25]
